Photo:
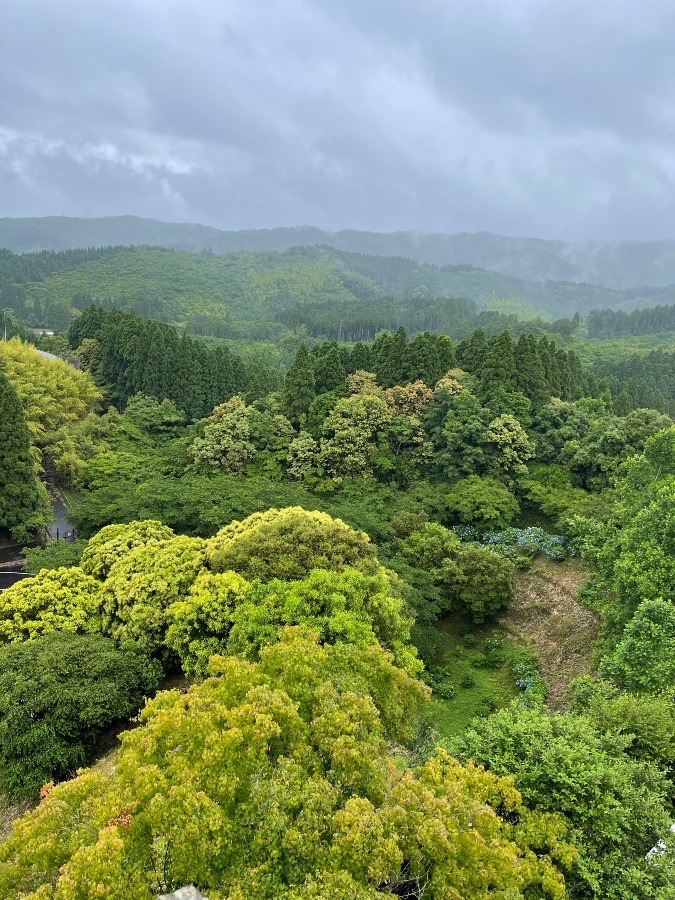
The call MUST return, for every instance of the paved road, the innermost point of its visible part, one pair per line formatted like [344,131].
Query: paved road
[60,526]
[7,579]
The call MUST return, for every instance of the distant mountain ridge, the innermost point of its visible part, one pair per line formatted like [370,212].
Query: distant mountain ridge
[620,266]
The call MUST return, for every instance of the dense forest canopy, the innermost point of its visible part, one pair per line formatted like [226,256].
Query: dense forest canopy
[325,498]
[335,293]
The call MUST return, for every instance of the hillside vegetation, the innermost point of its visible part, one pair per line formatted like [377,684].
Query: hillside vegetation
[355,611]
[618,265]
[347,296]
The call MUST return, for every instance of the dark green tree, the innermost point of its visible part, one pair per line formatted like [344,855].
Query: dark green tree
[299,388]
[498,372]
[57,693]
[530,374]
[471,352]
[360,358]
[329,371]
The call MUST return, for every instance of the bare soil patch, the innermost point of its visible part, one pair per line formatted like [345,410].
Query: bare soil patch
[546,615]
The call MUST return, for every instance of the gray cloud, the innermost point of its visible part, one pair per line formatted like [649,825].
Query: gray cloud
[546,117]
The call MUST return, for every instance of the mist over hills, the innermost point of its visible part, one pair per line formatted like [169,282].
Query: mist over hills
[621,266]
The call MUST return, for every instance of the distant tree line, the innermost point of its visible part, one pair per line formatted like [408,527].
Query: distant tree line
[128,355]
[641,381]
[609,323]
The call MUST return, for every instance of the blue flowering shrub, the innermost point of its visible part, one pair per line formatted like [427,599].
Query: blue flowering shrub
[519,543]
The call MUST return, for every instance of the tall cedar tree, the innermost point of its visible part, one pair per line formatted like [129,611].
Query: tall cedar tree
[299,386]
[21,497]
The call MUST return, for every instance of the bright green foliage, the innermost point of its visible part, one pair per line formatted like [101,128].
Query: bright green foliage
[428,547]
[301,459]
[64,599]
[270,781]
[53,393]
[226,444]
[479,581]
[235,434]
[111,543]
[645,566]
[345,607]
[467,576]
[551,488]
[200,622]
[509,445]
[23,501]
[644,659]
[57,693]
[483,502]
[151,415]
[288,544]
[646,723]
[614,804]
[224,613]
[53,555]
[141,586]
[350,434]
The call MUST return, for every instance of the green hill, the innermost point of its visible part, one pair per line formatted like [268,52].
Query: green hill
[260,294]
[618,265]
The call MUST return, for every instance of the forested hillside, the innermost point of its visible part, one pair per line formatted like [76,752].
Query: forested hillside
[374,571]
[618,265]
[324,557]
[335,294]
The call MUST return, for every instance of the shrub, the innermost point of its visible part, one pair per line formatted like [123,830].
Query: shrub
[615,805]
[478,581]
[57,693]
[55,555]
[483,502]
[644,659]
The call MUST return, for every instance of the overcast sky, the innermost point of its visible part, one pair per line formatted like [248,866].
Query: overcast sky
[553,118]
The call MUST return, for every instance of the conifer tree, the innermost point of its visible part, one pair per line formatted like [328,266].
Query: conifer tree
[22,498]
[471,352]
[498,372]
[299,386]
[329,371]
[530,374]
[360,358]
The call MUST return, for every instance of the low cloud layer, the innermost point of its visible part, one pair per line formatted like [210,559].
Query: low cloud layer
[536,117]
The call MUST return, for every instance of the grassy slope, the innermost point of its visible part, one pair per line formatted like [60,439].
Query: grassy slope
[544,616]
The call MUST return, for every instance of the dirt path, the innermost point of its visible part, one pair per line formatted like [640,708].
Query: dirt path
[546,615]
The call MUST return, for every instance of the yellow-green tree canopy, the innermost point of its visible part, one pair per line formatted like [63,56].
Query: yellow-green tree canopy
[52,392]
[224,613]
[64,599]
[114,541]
[271,780]
[143,583]
[287,544]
